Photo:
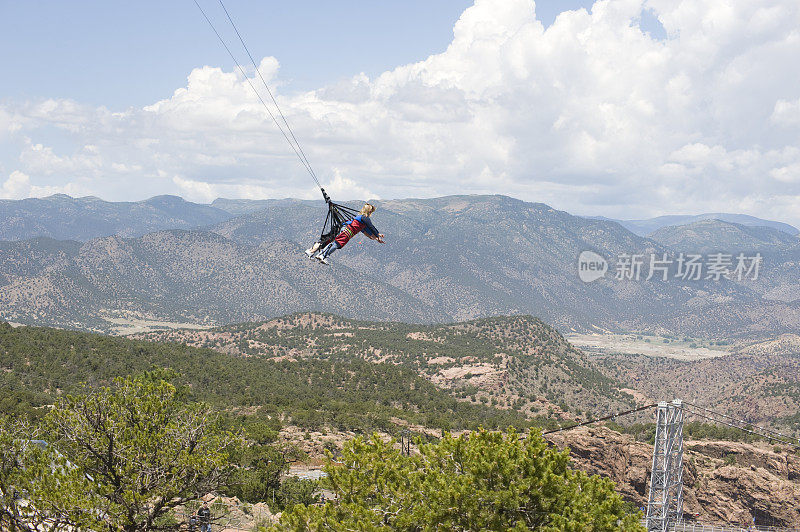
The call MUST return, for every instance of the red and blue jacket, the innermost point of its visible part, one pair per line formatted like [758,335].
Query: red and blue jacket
[355,226]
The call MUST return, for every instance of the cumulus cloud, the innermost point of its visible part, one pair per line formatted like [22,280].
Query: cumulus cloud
[592,115]
[786,112]
[196,190]
[42,160]
[18,186]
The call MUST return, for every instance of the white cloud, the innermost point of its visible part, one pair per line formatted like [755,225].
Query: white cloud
[591,115]
[196,190]
[342,187]
[205,191]
[42,160]
[787,174]
[18,186]
[9,124]
[786,112]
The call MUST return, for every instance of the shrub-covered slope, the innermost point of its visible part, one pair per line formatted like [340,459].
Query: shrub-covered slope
[515,362]
[37,364]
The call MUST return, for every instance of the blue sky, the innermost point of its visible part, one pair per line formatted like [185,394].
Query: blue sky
[121,54]
[621,108]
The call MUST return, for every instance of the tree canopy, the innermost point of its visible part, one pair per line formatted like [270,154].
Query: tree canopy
[348,393]
[129,453]
[479,481]
[39,488]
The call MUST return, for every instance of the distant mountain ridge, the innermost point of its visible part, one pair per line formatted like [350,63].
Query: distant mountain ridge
[779,273]
[66,218]
[647,226]
[717,235]
[188,277]
[245,206]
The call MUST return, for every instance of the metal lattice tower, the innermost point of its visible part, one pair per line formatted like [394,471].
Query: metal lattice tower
[665,502]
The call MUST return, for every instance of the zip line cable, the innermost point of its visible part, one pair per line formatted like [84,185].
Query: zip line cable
[737,424]
[753,432]
[740,421]
[296,149]
[266,86]
[597,420]
[708,414]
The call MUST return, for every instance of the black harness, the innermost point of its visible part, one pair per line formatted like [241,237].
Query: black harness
[338,215]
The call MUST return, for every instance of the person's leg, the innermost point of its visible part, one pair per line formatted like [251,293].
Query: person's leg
[330,248]
[313,249]
[320,255]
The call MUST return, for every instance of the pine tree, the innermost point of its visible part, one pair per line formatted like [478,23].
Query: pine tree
[117,458]
[480,481]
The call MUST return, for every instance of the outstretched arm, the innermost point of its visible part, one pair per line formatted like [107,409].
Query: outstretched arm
[371,231]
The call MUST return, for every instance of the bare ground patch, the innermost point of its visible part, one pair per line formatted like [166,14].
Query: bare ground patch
[653,346]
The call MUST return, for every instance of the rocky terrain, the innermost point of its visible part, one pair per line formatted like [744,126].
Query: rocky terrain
[759,382]
[724,482]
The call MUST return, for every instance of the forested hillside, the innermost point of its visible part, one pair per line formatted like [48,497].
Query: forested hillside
[516,362]
[39,364]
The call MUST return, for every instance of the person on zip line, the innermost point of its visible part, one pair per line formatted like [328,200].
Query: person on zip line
[360,224]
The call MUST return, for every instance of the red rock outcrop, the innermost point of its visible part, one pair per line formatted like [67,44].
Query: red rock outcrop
[723,481]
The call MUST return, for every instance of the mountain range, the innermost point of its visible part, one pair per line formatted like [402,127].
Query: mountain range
[521,363]
[446,259]
[65,218]
[647,226]
[719,235]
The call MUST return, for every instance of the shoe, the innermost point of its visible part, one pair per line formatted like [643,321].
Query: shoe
[323,260]
[310,253]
